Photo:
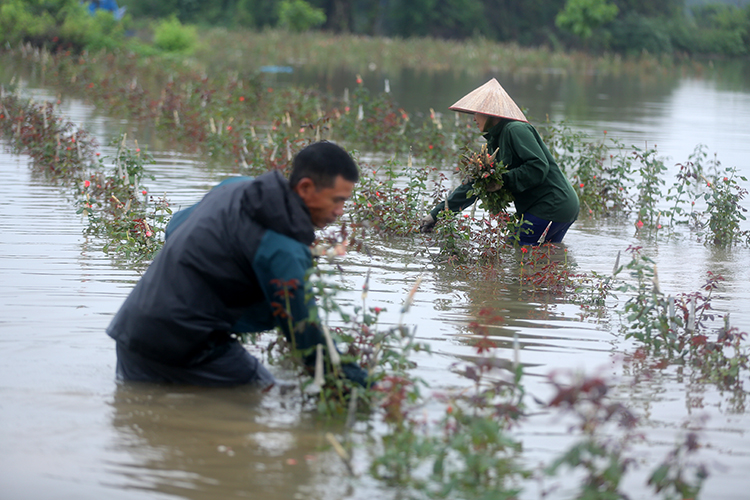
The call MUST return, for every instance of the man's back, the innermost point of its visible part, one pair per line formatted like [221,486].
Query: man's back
[204,280]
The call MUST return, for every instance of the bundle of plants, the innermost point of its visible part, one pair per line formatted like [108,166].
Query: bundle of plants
[486,176]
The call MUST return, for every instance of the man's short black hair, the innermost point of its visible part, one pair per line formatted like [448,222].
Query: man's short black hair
[322,162]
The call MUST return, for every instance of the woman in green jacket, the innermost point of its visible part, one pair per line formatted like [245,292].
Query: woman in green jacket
[544,199]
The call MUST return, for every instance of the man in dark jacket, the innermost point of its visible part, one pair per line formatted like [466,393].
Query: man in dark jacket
[544,199]
[235,262]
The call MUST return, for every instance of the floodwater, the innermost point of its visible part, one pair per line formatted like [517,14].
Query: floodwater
[69,431]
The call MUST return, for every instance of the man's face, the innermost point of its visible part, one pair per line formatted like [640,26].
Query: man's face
[481,121]
[325,204]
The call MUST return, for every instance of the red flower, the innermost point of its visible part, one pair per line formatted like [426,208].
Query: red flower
[242,98]
[639,224]
[86,183]
[430,146]
[144,192]
[524,249]
[580,185]
[229,128]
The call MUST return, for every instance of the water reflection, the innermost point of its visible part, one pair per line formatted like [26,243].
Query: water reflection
[207,444]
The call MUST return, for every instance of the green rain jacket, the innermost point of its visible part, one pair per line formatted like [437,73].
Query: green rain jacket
[536,182]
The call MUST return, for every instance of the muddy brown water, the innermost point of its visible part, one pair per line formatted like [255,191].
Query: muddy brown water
[70,431]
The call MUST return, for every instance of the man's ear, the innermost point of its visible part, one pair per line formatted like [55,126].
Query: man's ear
[305,187]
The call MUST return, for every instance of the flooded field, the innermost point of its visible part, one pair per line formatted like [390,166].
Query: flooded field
[70,431]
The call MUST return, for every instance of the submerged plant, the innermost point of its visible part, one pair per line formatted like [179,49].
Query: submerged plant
[725,212]
[679,329]
[118,207]
[608,432]
[687,185]
[386,205]
[470,453]
[646,311]
[605,452]
[116,203]
[651,169]
[602,188]
[671,478]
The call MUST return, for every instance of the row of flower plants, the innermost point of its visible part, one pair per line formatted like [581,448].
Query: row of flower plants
[236,119]
[472,453]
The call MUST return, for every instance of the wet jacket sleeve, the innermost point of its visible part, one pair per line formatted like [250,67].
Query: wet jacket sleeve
[457,200]
[533,167]
[281,265]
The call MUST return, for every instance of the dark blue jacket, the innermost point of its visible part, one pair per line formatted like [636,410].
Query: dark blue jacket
[224,268]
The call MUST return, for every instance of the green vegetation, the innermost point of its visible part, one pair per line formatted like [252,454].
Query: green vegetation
[299,16]
[171,36]
[596,26]
[582,17]
[58,24]
[623,26]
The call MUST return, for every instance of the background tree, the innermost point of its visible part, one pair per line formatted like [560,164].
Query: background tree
[299,16]
[339,14]
[439,18]
[531,22]
[582,17]
[623,26]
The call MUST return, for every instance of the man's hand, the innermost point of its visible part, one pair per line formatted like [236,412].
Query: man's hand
[493,186]
[427,223]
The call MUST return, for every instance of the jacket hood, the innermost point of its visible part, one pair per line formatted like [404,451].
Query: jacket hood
[270,202]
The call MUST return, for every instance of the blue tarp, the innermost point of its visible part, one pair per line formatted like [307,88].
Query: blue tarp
[110,5]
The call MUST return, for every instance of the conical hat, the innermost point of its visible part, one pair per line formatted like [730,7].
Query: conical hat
[490,99]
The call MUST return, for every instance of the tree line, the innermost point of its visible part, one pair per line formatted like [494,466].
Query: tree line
[626,26]
[623,26]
